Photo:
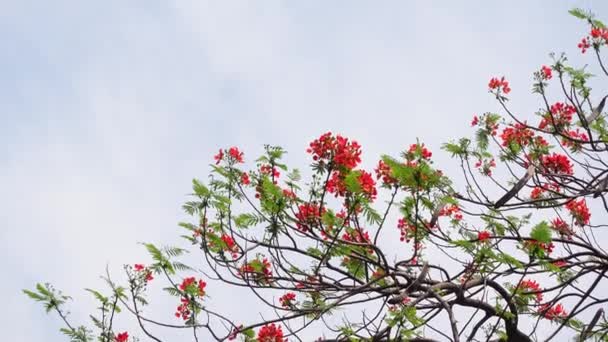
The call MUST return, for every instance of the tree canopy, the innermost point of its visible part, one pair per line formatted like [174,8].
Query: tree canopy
[510,249]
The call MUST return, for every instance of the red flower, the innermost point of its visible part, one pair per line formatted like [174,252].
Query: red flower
[259,270]
[559,116]
[270,170]
[561,227]
[289,194]
[335,185]
[497,84]
[245,178]
[384,171]
[554,312]
[579,211]
[532,245]
[368,186]
[517,134]
[475,121]
[557,164]
[141,269]
[531,286]
[236,154]
[546,71]
[584,45]
[418,150]
[537,193]
[183,310]
[408,230]
[308,216]
[230,245]
[218,157]
[337,149]
[286,299]
[453,211]
[483,236]
[485,166]
[560,263]
[122,337]
[271,333]
[190,285]
[576,139]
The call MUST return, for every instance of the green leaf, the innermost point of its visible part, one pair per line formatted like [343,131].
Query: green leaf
[351,181]
[314,252]
[200,189]
[34,295]
[579,13]
[98,296]
[541,232]
[249,333]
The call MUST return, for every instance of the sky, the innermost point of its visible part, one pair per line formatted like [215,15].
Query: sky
[109,108]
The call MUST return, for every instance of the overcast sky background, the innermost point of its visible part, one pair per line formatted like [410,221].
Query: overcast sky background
[110,108]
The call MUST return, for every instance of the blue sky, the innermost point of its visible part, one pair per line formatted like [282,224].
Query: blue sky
[109,109]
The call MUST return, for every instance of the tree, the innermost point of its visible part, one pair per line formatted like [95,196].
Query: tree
[508,253]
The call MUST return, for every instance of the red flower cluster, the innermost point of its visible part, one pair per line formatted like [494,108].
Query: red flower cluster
[537,193]
[231,246]
[183,310]
[383,171]
[235,154]
[219,156]
[517,134]
[368,186]
[451,210]
[534,244]
[560,263]
[546,72]
[497,84]
[408,230]
[483,236]
[122,337]
[357,236]
[418,151]
[490,125]
[289,194]
[579,211]
[584,44]
[553,312]
[146,273]
[561,227]
[576,137]
[335,185]
[271,171]
[559,116]
[599,33]
[475,121]
[337,149]
[190,285]
[245,178]
[287,299]
[557,164]
[260,270]
[271,333]
[485,166]
[308,216]
[531,286]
